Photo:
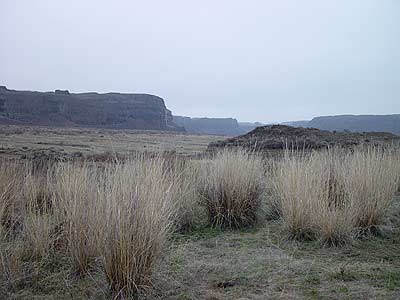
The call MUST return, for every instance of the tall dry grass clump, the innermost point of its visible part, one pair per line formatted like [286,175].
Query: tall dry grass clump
[38,221]
[230,187]
[139,213]
[296,189]
[396,156]
[309,198]
[78,210]
[26,219]
[369,178]
[184,173]
[116,213]
[10,187]
[331,195]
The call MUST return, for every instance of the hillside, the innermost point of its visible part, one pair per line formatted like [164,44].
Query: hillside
[354,123]
[61,108]
[277,137]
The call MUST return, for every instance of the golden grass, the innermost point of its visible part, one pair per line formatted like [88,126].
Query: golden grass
[10,186]
[38,221]
[333,195]
[138,216]
[118,213]
[117,216]
[369,179]
[230,187]
[77,209]
[185,197]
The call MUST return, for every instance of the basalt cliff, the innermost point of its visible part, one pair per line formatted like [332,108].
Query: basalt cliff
[65,109]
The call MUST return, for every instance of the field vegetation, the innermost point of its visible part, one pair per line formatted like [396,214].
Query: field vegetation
[234,225]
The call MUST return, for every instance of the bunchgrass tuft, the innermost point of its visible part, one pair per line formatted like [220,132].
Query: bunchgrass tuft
[139,212]
[333,195]
[230,187]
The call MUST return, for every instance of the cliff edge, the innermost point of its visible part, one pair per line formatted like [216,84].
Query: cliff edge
[64,109]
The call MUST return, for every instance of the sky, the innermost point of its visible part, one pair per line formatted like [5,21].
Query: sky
[266,61]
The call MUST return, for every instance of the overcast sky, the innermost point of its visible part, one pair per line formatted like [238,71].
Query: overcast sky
[253,60]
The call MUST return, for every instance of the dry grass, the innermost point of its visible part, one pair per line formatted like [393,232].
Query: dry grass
[333,195]
[10,186]
[396,155]
[230,187]
[38,233]
[138,216]
[25,141]
[119,213]
[298,185]
[369,179]
[78,211]
[37,218]
[185,174]
[116,217]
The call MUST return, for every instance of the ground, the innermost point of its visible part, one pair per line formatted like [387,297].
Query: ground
[257,263]
[261,264]
[210,264]
[26,140]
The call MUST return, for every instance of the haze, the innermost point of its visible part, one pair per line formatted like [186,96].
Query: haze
[262,61]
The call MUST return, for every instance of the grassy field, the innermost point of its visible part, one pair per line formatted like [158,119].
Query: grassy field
[26,141]
[260,263]
[322,225]
[257,263]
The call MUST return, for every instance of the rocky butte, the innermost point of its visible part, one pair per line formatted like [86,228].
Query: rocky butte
[62,108]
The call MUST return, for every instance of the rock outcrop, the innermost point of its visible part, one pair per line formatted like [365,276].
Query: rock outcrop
[61,108]
[278,137]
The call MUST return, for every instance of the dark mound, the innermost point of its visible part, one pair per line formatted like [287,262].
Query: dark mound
[278,137]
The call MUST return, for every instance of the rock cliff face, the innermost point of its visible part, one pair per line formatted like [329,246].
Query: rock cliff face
[61,108]
[278,137]
[217,126]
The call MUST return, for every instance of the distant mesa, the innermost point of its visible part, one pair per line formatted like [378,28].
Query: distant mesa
[278,137]
[63,92]
[214,126]
[149,112]
[353,123]
[62,108]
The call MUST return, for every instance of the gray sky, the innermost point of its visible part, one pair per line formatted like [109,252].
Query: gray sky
[253,60]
